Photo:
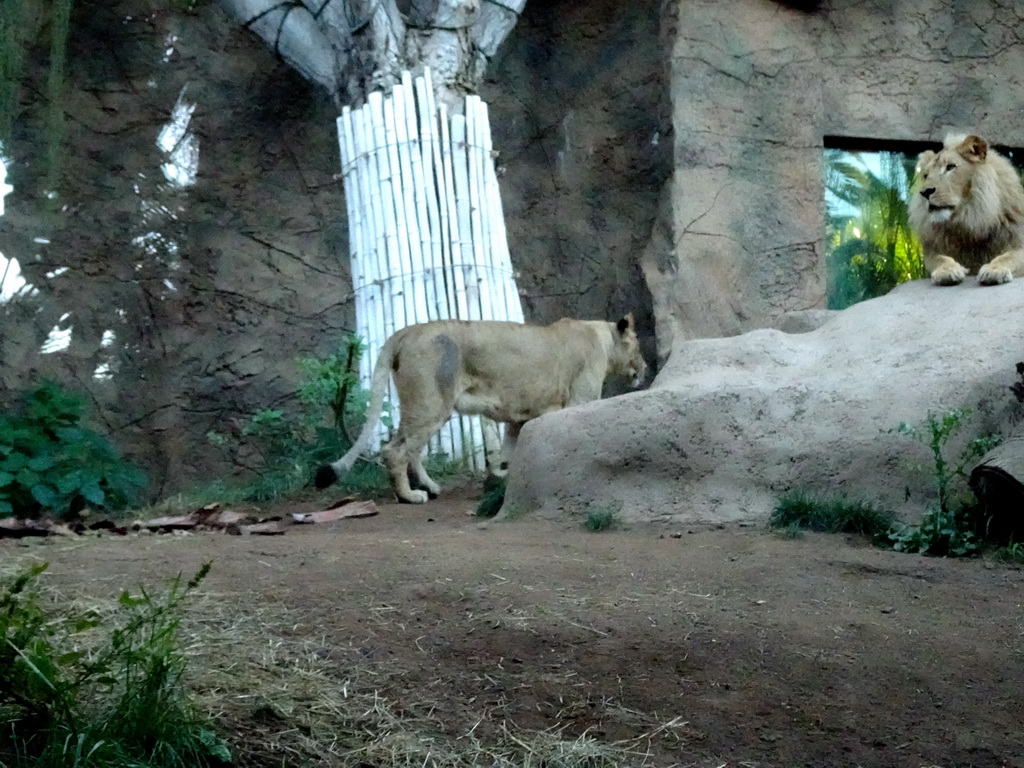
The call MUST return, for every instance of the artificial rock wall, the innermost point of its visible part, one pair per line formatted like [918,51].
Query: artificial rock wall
[755,87]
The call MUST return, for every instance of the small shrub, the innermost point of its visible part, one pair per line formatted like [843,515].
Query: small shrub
[950,529]
[291,445]
[601,519]
[69,698]
[493,497]
[804,511]
[940,533]
[935,432]
[1012,553]
[51,463]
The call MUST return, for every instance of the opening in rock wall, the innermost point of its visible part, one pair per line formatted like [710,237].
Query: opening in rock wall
[869,245]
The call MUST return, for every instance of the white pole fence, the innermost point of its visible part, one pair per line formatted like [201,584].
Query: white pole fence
[426,231]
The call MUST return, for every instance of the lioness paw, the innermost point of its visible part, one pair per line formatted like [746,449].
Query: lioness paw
[415,497]
[952,275]
[989,275]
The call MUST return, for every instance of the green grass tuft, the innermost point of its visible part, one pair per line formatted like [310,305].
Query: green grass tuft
[601,519]
[804,511]
[492,498]
[1012,553]
[99,690]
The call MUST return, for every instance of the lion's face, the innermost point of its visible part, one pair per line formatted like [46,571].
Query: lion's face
[626,360]
[942,181]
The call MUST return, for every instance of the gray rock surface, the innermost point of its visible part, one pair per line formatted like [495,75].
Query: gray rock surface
[730,424]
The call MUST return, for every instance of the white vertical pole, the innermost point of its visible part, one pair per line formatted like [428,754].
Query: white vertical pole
[433,183]
[427,238]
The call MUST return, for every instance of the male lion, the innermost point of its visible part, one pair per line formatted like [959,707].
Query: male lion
[967,207]
[508,372]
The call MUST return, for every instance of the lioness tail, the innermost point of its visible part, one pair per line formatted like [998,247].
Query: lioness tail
[330,473]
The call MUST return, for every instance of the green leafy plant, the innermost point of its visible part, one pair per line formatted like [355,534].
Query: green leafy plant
[936,432]
[950,528]
[804,511]
[1011,553]
[601,519]
[51,463]
[943,534]
[870,245]
[291,444]
[74,695]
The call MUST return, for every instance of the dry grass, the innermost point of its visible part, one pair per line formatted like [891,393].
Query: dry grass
[282,697]
[287,698]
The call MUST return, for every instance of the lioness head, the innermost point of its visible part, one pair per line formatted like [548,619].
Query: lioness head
[942,182]
[626,359]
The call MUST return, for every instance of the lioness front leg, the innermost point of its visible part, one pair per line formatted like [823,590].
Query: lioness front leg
[945,270]
[508,448]
[1003,268]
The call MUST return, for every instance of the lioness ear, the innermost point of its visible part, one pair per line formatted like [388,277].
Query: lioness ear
[973,149]
[625,323]
[923,159]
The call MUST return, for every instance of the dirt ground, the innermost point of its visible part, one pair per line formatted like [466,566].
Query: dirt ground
[761,651]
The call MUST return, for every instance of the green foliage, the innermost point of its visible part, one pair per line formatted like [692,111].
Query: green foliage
[601,519]
[22,24]
[492,498]
[291,445]
[935,432]
[803,511]
[99,691]
[330,381]
[871,247]
[51,463]
[940,533]
[1011,553]
[952,529]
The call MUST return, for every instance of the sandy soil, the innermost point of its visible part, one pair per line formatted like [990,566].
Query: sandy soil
[819,651]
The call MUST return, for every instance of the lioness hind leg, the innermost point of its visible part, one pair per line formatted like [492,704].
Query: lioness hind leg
[419,473]
[396,455]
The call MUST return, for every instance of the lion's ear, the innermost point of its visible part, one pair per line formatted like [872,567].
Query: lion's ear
[923,159]
[973,149]
[625,323]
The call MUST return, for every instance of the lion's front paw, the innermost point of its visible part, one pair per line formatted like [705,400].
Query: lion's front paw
[989,275]
[414,497]
[952,274]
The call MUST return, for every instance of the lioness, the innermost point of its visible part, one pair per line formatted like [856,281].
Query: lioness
[508,372]
[967,207]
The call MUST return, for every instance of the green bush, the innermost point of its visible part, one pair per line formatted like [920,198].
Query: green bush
[948,472]
[951,529]
[492,498]
[99,691]
[601,519]
[804,511]
[942,533]
[51,463]
[291,444]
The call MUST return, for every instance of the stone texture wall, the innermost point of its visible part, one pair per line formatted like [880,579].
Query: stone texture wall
[208,335]
[755,88]
[203,335]
[579,111]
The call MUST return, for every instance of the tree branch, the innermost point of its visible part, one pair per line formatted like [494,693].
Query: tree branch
[293,34]
[354,47]
[493,23]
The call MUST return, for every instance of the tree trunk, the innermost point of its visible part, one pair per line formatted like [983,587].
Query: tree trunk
[354,47]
